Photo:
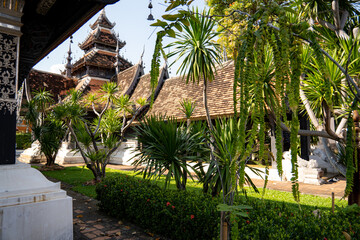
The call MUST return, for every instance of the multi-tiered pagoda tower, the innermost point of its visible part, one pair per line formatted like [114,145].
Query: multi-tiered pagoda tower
[101,60]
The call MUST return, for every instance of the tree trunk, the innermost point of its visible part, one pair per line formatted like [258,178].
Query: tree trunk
[354,196]
[224,231]
[208,119]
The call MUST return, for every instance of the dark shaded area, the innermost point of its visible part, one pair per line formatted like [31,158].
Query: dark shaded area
[8,137]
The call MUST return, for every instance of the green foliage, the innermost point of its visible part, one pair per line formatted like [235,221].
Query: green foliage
[195,45]
[76,176]
[165,148]
[349,155]
[187,107]
[23,140]
[47,129]
[188,215]
[96,140]
[174,214]
[155,63]
[223,175]
[141,101]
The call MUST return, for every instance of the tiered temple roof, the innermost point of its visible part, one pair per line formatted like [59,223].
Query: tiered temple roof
[101,52]
[97,66]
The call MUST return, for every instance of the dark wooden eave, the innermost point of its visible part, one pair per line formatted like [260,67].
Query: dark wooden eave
[47,23]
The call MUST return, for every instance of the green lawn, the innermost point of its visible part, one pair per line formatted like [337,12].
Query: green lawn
[77,176]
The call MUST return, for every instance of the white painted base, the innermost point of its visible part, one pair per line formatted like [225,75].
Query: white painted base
[68,155]
[32,154]
[125,153]
[32,207]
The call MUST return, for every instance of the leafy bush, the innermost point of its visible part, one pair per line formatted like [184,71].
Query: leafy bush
[190,215]
[175,214]
[23,140]
[165,148]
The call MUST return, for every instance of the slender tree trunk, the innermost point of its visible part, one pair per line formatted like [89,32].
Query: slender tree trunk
[354,196]
[224,228]
[208,119]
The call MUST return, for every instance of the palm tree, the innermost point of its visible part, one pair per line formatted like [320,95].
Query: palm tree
[199,54]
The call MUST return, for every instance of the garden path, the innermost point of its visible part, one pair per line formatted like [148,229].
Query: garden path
[92,224]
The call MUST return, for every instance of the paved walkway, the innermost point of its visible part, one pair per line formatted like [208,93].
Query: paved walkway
[92,224]
[324,190]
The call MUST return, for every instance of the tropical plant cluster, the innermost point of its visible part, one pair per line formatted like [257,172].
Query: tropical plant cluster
[46,127]
[23,140]
[190,215]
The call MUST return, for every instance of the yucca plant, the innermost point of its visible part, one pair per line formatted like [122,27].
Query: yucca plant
[167,149]
[47,130]
[223,175]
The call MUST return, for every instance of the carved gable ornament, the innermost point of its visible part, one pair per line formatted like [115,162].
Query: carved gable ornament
[8,79]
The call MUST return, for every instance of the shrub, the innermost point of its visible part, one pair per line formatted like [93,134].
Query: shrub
[172,213]
[190,215]
[23,140]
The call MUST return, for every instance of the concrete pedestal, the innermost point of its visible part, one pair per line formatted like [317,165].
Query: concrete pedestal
[31,207]
[68,155]
[32,154]
[125,153]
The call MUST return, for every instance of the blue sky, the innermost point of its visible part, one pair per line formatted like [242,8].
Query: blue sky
[132,26]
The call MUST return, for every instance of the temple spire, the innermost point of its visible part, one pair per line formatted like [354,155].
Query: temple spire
[117,63]
[68,65]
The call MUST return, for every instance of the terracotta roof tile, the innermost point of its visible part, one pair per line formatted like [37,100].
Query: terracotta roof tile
[126,77]
[220,92]
[143,89]
[56,84]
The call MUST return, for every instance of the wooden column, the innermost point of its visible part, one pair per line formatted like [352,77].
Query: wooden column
[10,23]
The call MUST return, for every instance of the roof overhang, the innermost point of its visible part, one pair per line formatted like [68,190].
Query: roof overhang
[47,23]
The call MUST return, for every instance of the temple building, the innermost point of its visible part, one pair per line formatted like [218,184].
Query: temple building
[99,64]
[31,206]
[102,63]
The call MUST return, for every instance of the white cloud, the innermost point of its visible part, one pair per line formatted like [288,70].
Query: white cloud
[57,68]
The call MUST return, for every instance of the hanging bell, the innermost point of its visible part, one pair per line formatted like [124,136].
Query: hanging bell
[150,5]
[150,17]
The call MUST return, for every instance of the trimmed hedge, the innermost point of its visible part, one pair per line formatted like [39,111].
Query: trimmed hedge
[190,215]
[175,214]
[23,140]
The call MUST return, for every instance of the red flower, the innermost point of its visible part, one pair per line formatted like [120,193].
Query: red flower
[325,238]
[173,207]
[192,216]
[105,185]
[168,204]
[121,190]
[247,221]
[148,200]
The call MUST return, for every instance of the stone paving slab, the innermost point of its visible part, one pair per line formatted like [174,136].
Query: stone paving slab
[92,224]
